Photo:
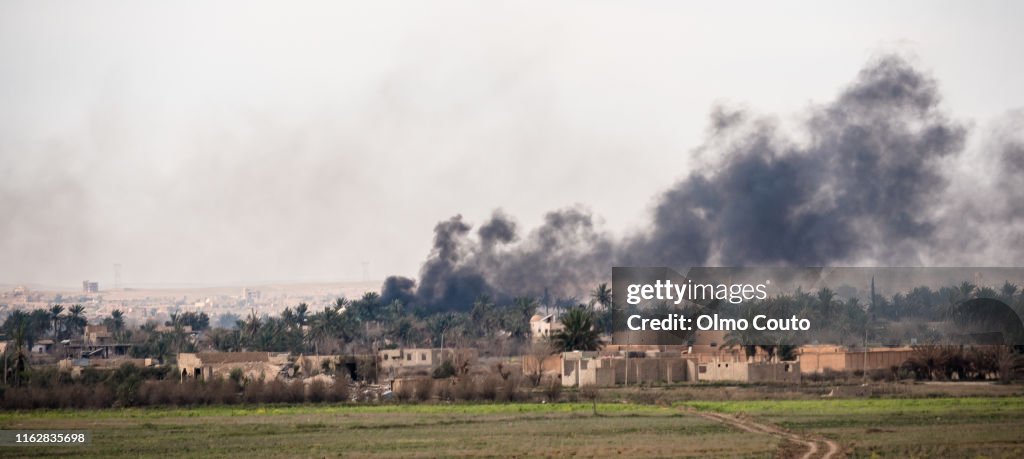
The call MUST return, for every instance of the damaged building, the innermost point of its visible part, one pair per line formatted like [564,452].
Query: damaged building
[205,366]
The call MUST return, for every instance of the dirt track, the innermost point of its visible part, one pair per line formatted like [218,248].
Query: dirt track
[812,445]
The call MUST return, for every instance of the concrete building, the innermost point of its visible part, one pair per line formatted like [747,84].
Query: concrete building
[611,368]
[709,346]
[90,287]
[702,361]
[819,358]
[396,363]
[749,372]
[250,295]
[76,366]
[43,346]
[96,342]
[254,365]
[543,326]
[97,335]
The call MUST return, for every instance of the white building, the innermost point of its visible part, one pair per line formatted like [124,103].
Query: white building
[542,327]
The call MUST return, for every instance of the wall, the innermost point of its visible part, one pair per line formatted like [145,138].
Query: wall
[592,368]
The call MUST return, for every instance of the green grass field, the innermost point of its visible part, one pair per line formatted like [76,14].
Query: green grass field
[388,431]
[927,427]
[932,427]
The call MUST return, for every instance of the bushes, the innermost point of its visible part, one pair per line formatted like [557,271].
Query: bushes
[552,389]
[487,390]
[404,392]
[464,389]
[944,362]
[128,386]
[133,391]
[443,390]
[338,392]
[316,392]
[510,390]
[423,389]
[188,393]
[444,370]
[64,396]
[253,392]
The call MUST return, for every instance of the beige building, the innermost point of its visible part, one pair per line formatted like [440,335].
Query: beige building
[706,359]
[254,365]
[749,372]
[76,366]
[819,358]
[608,368]
[97,335]
[396,363]
[311,365]
[542,327]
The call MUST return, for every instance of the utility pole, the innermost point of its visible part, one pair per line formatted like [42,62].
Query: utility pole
[867,322]
[629,338]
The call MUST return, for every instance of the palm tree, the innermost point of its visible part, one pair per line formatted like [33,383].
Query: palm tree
[75,319]
[288,316]
[439,324]
[251,326]
[745,339]
[116,323]
[1008,291]
[55,318]
[966,289]
[577,333]
[225,340]
[301,311]
[21,360]
[601,295]
[483,315]
[319,330]
[175,319]
[986,292]
[340,304]
[518,317]
[826,301]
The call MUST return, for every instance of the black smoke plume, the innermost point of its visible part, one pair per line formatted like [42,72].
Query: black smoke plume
[864,183]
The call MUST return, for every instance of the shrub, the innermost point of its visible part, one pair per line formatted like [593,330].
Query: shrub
[423,389]
[275,391]
[589,392]
[157,392]
[223,391]
[253,392]
[464,389]
[237,375]
[443,389]
[339,390]
[295,392]
[552,389]
[404,391]
[488,388]
[444,370]
[316,392]
[185,393]
[510,391]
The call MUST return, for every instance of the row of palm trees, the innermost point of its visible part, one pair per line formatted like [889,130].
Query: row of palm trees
[55,321]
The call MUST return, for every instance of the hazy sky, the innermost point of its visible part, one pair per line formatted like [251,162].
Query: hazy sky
[241,141]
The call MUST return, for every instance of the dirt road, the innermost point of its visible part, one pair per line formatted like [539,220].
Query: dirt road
[812,445]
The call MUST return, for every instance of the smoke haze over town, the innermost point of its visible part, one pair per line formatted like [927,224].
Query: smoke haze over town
[533,156]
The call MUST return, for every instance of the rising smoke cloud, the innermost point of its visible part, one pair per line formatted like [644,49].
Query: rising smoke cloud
[871,178]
